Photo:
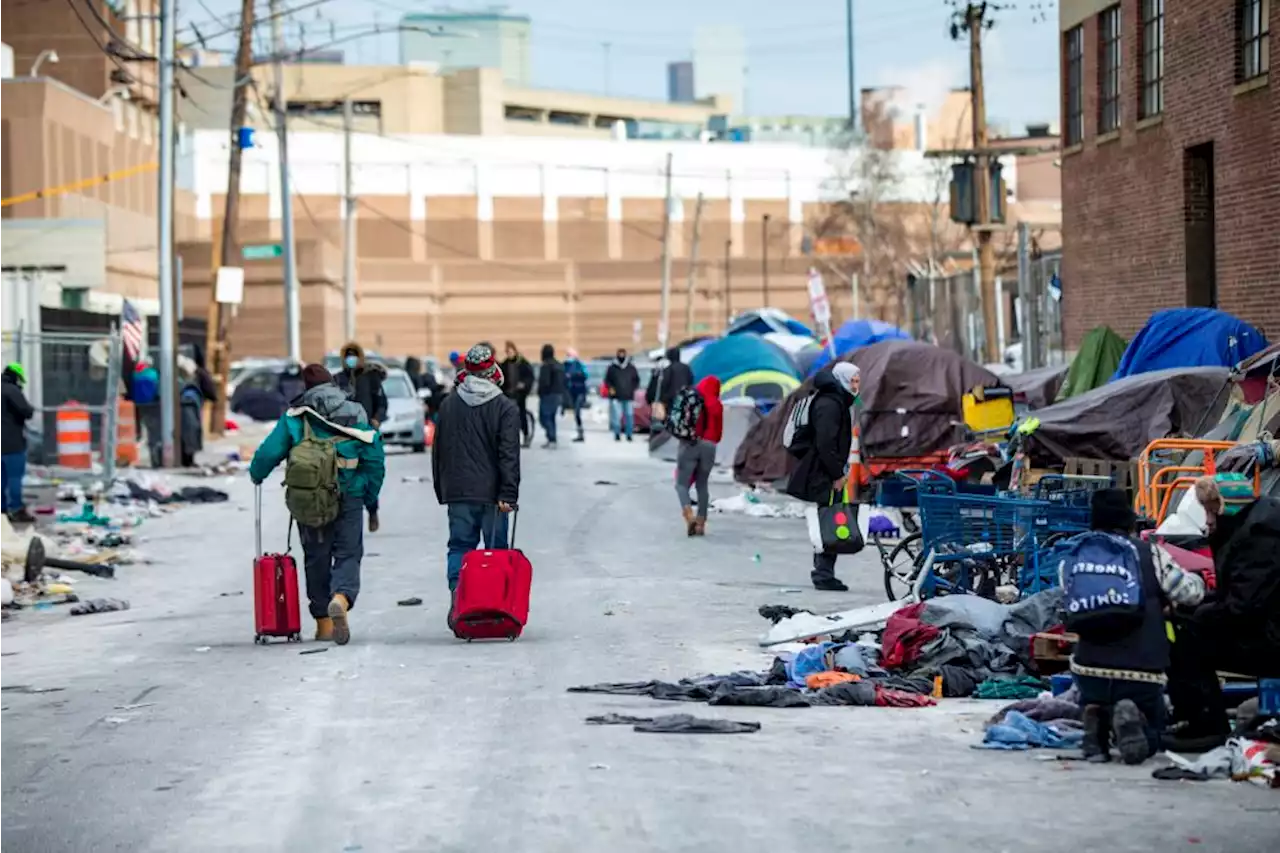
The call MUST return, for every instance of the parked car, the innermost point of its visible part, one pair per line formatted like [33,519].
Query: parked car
[263,391]
[405,425]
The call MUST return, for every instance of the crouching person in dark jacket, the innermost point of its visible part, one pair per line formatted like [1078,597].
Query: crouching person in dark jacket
[332,550]
[475,461]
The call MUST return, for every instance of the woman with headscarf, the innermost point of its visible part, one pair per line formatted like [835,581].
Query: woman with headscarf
[823,446]
[696,458]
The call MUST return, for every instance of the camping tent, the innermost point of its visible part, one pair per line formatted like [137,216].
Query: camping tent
[1119,419]
[911,403]
[748,366]
[767,320]
[855,334]
[740,415]
[1095,363]
[1190,337]
[1037,388]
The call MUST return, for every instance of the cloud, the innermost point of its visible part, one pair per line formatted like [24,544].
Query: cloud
[927,83]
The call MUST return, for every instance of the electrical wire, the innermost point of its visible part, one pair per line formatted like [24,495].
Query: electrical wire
[88,28]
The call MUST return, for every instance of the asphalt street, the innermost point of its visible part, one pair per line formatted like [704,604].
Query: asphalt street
[169,730]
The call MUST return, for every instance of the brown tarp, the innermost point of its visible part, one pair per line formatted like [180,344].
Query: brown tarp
[911,394]
[1119,419]
[1037,387]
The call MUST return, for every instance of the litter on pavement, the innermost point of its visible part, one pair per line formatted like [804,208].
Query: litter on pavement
[677,724]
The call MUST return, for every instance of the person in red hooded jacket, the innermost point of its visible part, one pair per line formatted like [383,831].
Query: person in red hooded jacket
[696,458]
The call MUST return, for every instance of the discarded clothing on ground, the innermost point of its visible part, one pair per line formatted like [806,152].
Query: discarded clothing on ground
[905,635]
[819,680]
[957,681]
[99,605]
[855,658]
[889,698]
[760,697]
[775,613]
[1018,731]
[1018,687]
[677,724]
[1239,759]
[187,495]
[1041,710]
[686,690]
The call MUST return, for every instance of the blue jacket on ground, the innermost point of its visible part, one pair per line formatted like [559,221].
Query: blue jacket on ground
[575,378]
[331,414]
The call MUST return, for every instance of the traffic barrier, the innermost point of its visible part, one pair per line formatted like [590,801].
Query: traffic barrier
[126,433]
[75,441]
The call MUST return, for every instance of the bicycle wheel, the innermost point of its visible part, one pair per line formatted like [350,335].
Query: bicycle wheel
[902,567]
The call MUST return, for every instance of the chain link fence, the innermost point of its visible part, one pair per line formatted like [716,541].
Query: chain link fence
[69,372]
[946,310]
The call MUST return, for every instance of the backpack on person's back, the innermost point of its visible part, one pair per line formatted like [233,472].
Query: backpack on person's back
[686,414]
[797,435]
[1102,585]
[311,478]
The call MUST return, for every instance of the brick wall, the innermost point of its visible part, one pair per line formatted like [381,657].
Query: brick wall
[1124,207]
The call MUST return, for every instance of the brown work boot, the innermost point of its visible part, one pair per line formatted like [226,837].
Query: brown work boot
[690,524]
[324,629]
[338,607]
[700,527]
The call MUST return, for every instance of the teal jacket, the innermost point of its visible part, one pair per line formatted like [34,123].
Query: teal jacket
[331,414]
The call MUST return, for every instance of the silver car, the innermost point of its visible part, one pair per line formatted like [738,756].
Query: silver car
[406,418]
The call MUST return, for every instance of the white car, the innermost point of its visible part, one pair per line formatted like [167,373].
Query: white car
[406,418]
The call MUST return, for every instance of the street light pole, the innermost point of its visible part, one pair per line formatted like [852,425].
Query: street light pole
[164,237]
[293,326]
[349,227]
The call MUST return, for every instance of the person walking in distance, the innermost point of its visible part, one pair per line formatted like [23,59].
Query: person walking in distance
[575,380]
[551,392]
[823,445]
[621,381]
[323,435]
[17,411]
[667,381]
[363,383]
[696,457]
[517,382]
[475,463]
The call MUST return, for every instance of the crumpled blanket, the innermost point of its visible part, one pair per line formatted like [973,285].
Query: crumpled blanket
[99,605]
[775,613]
[1020,687]
[1018,731]
[686,690]
[677,724]
[1041,710]
[957,681]
[887,698]
[905,635]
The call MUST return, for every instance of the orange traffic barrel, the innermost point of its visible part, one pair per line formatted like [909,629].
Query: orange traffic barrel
[126,433]
[75,441]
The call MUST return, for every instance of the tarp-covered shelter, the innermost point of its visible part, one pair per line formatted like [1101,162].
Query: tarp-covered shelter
[747,365]
[1119,419]
[1037,388]
[855,334]
[910,406]
[1094,364]
[1190,337]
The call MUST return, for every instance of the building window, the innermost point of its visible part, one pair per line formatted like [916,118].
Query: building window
[1073,50]
[1152,77]
[1109,70]
[1253,30]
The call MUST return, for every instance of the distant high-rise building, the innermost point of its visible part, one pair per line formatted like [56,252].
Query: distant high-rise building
[720,63]
[458,39]
[680,83]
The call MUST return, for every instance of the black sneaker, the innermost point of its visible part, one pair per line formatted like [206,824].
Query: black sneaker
[1130,729]
[579,439]
[22,516]
[830,585]
[617,438]
[629,438]
[1096,735]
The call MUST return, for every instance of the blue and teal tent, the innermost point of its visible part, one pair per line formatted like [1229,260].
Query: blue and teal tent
[747,365]
[855,334]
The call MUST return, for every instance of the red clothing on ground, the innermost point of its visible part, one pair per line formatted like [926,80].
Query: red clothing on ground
[711,425]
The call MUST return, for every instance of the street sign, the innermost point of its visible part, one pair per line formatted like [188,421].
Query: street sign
[821,307]
[229,287]
[262,252]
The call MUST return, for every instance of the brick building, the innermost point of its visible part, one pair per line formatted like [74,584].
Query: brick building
[1170,162]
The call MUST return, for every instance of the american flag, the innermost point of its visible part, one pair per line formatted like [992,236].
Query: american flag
[132,332]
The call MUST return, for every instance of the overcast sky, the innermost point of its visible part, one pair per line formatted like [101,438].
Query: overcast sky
[795,58]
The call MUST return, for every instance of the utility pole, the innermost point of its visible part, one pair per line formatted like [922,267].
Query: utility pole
[764,257]
[974,22]
[293,327]
[693,268]
[228,245]
[853,92]
[164,263]
[728,281]
[349,228]
[665,310]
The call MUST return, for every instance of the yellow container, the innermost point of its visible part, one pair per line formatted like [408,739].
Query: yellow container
[987,415]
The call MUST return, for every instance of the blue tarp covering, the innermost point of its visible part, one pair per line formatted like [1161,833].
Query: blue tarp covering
[855,334]
[1189,337]
[736,354]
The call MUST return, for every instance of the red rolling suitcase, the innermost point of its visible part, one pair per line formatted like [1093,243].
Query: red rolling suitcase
[492,599]
[275,587]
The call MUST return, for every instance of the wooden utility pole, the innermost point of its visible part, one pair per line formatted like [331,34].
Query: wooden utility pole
[227,244]
[975,21]
[728,281]
[693,269]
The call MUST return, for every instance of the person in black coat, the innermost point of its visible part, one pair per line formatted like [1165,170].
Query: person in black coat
[475,462]
[666,383]
[823,469]
[621,380]
[363,382]
[518,379]
[13,453]
[551,392]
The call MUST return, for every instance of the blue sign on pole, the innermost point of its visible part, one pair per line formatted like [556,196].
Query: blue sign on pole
[244,137]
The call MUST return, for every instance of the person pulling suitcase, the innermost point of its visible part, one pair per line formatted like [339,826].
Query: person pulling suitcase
[334,472]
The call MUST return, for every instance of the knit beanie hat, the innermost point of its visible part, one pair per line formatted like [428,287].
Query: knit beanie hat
[481,364]
[315,374]
[1109,509]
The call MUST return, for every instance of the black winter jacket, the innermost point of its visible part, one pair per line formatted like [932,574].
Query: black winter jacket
[1146,647]
[517,377]
[17,411]
[364,385]
[551,379]
[476,454]
[1246,557]
[666,383]
[824,462]
[622,380]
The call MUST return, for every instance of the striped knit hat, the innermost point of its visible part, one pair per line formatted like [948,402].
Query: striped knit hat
[481,364]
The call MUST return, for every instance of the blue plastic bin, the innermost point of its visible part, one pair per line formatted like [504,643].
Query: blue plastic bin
[1269,696]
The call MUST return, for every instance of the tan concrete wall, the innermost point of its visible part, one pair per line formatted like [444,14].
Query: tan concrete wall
[1074,12]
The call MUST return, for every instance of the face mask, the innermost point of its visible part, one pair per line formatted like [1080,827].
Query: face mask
[351,361]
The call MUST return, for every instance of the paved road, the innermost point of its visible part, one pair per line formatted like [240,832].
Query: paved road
[408,740]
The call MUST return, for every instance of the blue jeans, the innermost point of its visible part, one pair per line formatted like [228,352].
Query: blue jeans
[548,409]
[622,416]
[578,402]
[13,466]
[332,555]
[468,520]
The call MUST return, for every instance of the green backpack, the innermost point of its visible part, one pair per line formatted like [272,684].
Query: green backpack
[311,479]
